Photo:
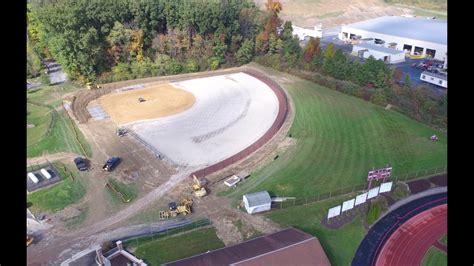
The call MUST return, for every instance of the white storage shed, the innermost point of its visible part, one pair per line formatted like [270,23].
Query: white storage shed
[257,202]
[33,177]
[45,173]
[389,55]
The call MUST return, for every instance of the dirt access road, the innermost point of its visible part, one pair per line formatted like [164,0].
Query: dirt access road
[60,156]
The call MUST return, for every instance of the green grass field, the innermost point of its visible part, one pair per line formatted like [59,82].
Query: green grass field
[61,194]
[60,136]
[444,239]
[41,117]
[331,14]
[435,257]
[339,138]
[164,250]
[340,245]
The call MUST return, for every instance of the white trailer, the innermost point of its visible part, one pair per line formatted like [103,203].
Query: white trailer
[33,177]
[436,79]
[232,181]
[45,173]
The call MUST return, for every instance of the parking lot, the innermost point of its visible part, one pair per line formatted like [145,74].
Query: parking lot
[416,72]
[330,35]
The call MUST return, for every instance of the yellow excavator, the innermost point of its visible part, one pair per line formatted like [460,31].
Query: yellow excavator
[29,240]
[198,189]
[92,86]
[174,210]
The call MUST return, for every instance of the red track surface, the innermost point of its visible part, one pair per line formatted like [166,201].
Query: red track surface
[408,245]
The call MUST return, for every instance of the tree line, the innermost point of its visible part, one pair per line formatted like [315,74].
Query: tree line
[109,40]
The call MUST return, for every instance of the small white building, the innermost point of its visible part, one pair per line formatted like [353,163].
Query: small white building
[436,79]
[45,173]
[302,33]
[411,34]
[257,202]
[388,55]
[33,177]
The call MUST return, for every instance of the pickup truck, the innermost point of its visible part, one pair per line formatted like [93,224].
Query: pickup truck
[111,164]
[80,164]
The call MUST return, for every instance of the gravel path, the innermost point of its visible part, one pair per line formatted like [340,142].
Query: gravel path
[55,73]
[51,158]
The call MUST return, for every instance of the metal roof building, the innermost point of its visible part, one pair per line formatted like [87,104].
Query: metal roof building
[287,247]
[389,55]
[257,202]
[411,34]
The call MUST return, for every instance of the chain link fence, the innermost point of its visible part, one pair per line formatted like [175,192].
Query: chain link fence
[358,188]
[180,228]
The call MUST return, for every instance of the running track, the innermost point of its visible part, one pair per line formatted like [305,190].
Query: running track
[380,234]
[409,244]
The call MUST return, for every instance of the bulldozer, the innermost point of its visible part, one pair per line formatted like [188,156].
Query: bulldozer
[183,208]
[198,189]
[92,86]
[29,240]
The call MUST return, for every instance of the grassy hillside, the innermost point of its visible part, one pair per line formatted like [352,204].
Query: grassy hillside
[185,245]
[58,196]
[339,138]
[53,131]
[340,245]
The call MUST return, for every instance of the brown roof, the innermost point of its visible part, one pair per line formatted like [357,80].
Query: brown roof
[287,247]
[120,260]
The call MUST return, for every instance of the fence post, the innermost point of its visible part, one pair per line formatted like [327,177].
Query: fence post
[306,200]
[281,205]
[330,194]
[318,197]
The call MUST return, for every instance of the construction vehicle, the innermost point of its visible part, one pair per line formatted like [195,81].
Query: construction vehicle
[174,210]
[29,240]
[121,132]
[198,189]
[92,86]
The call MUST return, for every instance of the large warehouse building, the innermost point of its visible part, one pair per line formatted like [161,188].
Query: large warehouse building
[410,34]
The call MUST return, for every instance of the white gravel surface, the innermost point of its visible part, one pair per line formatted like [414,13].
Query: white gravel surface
[230,113]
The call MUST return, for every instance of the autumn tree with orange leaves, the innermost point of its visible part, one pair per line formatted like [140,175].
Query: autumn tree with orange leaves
[271,25]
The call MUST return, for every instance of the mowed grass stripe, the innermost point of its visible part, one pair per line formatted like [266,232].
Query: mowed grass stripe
[339,138]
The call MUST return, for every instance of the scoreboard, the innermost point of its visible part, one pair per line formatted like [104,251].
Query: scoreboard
[381,173]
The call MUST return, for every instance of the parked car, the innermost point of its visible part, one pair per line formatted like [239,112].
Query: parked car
[81,164]
[111,164]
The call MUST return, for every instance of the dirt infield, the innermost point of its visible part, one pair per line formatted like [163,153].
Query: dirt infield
[160,100]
